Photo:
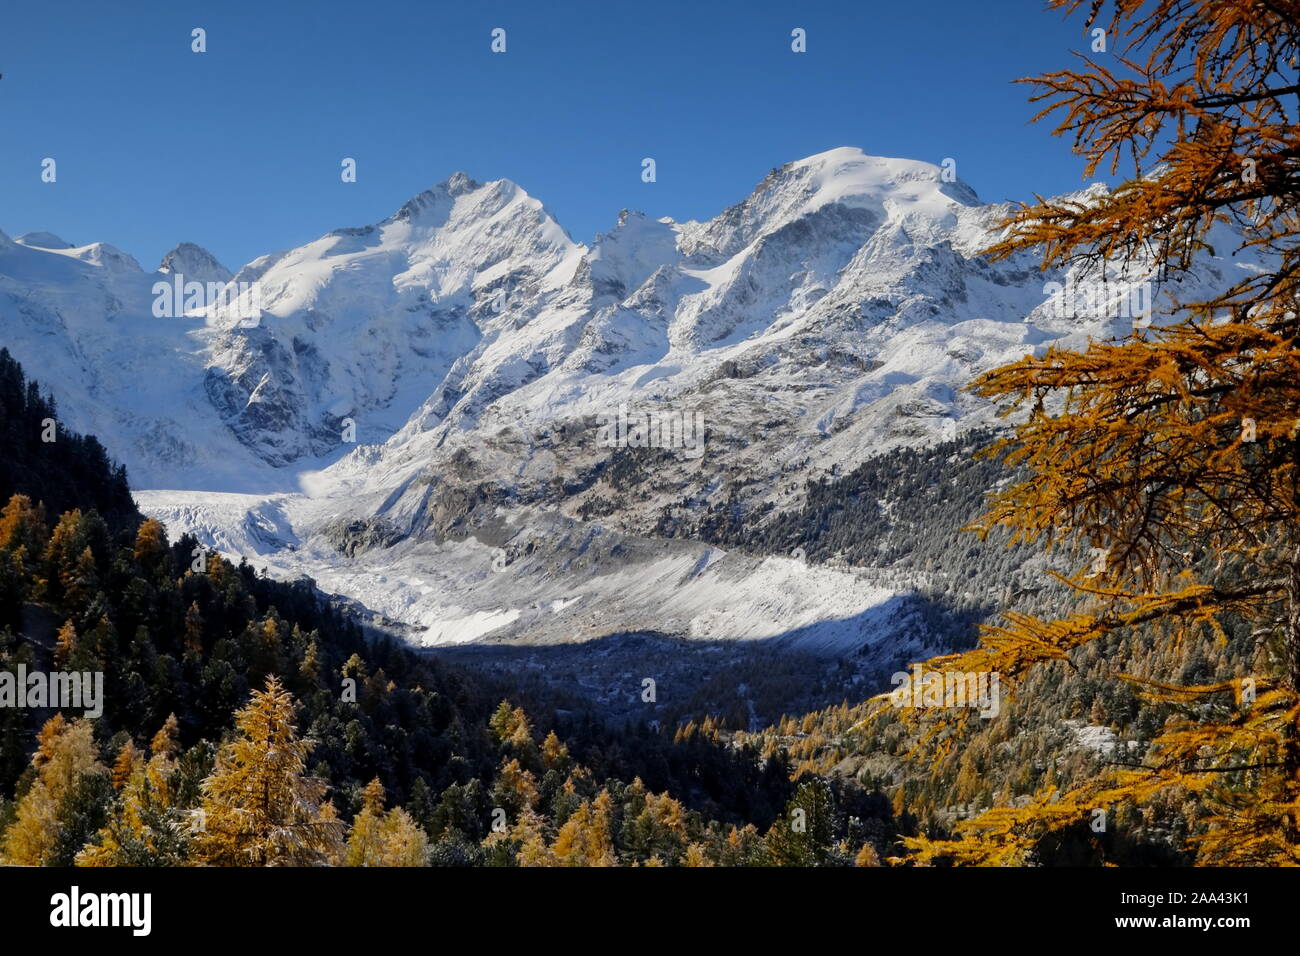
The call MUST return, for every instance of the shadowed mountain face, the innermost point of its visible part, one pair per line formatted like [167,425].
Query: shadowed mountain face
[482,430]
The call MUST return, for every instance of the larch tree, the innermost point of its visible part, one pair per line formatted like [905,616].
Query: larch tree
[260,807]
[68,576]
[129,761]
[587,838]
[1168,459]
[380,838]
[555,755]
[515,789]
[65,645]
[150,543]
[145,827]
[524,842]
[653,824]
[65,757]
[23,525]
[696,856]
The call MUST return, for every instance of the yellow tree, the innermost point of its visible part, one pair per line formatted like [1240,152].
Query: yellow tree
[1170,458]
[146,827]
[587,837]
[555,755]
[696,855]
[526,838]
[150,542]
[65,645]
[22,525]
[516,788]
[65,754]
[129,761]
[384,839]
[259,807]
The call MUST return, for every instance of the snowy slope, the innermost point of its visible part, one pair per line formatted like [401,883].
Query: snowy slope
[80,319]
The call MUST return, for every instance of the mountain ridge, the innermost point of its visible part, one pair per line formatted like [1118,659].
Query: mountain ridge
[426,392]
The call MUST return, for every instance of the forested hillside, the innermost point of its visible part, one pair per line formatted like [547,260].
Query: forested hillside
[70,470]
[1067,723]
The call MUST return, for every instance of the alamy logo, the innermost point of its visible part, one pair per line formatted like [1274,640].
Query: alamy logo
[75,690]
[74,908]
[653,429]
[947,689]
[241,301]
[1099,300]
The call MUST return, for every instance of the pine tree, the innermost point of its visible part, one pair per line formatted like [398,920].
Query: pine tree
[15,588]
[260,808]
[193,639]
[803,834]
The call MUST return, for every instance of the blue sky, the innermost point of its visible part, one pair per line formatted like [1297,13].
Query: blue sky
[239,148]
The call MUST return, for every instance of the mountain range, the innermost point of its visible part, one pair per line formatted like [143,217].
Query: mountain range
[418,415]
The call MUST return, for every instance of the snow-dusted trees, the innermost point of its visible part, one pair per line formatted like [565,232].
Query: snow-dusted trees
[260,807]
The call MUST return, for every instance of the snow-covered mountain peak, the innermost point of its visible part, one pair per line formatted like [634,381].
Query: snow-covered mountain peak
[424,206]
[458,183]
[102,254]
[194,263]
[362,324]
[483,223]
[434,206]
[42,240]
[623,258]
[843,185]
[46,255]
[846,173]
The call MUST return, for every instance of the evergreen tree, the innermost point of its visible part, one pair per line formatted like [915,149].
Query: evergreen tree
[804,834]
